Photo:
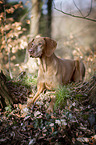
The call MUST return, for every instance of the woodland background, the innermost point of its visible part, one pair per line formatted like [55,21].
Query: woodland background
[21,21]
[72,121]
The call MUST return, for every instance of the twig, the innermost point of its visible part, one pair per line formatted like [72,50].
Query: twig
[78,8]
[89,10]
[81,85]
[23,135]
[76,16]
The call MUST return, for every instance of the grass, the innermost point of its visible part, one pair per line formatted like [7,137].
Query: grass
[30,80]
[27,80]
[62,94]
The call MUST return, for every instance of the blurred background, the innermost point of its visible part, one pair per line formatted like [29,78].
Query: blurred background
[21,20]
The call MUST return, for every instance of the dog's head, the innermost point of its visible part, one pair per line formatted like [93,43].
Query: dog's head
[41,45]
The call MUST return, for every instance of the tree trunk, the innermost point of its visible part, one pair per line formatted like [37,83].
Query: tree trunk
[35,15]
[5,98]
[49,8]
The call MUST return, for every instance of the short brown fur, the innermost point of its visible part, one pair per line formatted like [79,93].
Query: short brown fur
[53,71]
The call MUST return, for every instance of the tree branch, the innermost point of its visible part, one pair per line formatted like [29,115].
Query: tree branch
[89,10]
[76,16]
[78,8]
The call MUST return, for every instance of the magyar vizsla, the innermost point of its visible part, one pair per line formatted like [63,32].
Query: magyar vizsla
[53,71]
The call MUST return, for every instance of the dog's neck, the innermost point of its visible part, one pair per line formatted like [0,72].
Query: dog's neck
[46,61]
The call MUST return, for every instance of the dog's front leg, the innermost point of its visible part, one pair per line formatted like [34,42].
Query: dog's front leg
[40,88]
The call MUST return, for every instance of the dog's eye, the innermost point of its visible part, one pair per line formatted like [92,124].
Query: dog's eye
[40,43]
[31,44]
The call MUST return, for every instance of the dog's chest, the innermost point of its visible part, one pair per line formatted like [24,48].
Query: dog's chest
[48,73]
[49,78]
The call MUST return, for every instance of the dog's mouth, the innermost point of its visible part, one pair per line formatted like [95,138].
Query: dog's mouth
[31,55]
[36,55]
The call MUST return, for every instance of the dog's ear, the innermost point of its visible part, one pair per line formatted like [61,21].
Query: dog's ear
[50,46]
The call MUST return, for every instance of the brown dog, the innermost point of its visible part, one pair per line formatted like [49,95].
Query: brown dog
[52,70]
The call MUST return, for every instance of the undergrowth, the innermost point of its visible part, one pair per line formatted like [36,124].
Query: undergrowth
[27,80]
[30,80]
[72,123]
[62,94]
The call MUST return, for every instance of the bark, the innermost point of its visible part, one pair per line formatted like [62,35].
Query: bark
[35,15]
[5,98]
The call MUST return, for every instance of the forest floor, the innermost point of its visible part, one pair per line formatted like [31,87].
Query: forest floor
[72,121]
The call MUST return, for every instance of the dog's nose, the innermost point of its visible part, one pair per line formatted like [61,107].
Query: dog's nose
[31,51]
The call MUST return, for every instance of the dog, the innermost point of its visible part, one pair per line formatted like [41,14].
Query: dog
[53,71]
